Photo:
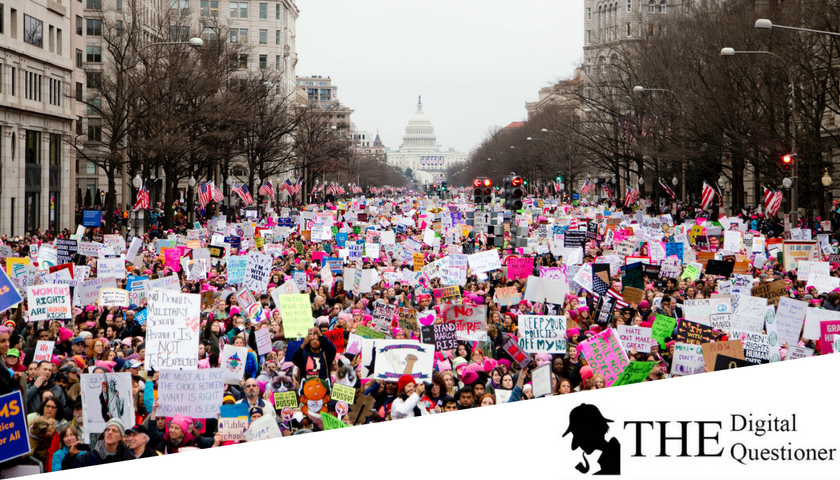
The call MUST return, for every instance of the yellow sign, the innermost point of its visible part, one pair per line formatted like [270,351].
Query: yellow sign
[10,262]
[418,261]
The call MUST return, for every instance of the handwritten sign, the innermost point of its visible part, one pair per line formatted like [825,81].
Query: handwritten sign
[257,272]
[442,336]
[663,327]
[470,321]
[285,399]
[296,312]
[730,348]
[605,355]
[48,302]
[192,393]
[172,330]
[542,334]
[113,297]
[635,372]
[343,393]
[635,338]
[43,351]
[688,359]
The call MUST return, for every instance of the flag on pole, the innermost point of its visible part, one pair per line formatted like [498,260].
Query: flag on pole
[205,196]
[772,201]
[218,195]
[708,196]
[631,197]
[668,189]
[608,191]
[267,189]
[143,200]
[587,187]
[243,193]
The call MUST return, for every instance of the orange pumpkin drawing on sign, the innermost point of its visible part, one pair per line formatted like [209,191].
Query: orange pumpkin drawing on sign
[314,395]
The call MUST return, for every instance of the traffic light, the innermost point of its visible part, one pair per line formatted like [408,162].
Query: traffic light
[513,192]
[787,161]
[483,190]
[558,177]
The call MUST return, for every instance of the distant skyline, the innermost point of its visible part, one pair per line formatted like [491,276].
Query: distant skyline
[474,62]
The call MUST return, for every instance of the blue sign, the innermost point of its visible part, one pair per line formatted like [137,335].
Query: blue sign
[13,436]
[91,218]
[284,222]
[9,296]
[129,282]
[575,196]
[234,411]
[334,264]
[235,242]
[341,239]
[141,316]
[674,248]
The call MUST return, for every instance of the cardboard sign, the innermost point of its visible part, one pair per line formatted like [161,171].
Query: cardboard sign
[772,291]
[113,297]
[343,393]
[542,334]
[507,296]
[633,295]
[172,330]
[296,312]
[635,338]
[15,435]
[193,393]
[443,336]
[285,399]
[605,355]
[233,429]
[730,348]
[395,358]
[470,321]
[789,319]
[43,351]
[693,333]
[106,396]
[408,321]
[663,327]
[688,359]
[484,261]
[49,302]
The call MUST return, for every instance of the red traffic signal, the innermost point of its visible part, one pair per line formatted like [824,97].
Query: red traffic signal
[787,159]
[477,182]
[487,182]
[516,181]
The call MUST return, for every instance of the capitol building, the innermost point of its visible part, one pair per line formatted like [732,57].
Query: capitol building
[420,151]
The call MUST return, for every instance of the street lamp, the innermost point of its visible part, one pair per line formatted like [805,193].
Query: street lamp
[641,181]
[787,182]
[730,52]
[137,182]
[675,181]
[765,24]
[191,181]
[826,181]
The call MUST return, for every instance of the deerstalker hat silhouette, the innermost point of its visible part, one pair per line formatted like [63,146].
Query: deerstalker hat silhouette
[584,416]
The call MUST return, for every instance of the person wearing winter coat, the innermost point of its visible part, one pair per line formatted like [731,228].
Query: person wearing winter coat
[108,449]
[405,405]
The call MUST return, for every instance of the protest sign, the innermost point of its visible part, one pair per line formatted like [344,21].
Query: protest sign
[790,317]
[263,337]
[442,336]
[113,297]
[332,423]
[756,346]
[813,317]
[700,311]
[192,393]
[233,429]
[662,328]
[395,358]
[747,305]
[65,250]
[797,352]
[542,334]
[730,348]
[113,266]
[747,323]
[794,251]
[343,393]
[723,362]
[507,296]
[366,332]
[9,295]
[511,347]
[233,363]
[172,330]
[605,354]
[257,272]
[106,396]
[688,359]
[635,338]
[693,333]
[408,321]
[236,266]
[14,436]
[383,315]
[823,283]
[48,302]
[447,295]
[285,399]
[170,283]
[633,295]
[43,351]
[470,321]
[772,291]
[541,381]
[829,334]
[635,372]
[484,261]
[544,290]
[519,268]
[263,428]
[297,314]
[417,259]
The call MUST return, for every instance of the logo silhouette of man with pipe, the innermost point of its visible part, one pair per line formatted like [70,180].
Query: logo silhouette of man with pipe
[589,430]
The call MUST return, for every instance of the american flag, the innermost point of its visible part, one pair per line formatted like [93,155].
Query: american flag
[218,195]
[667,189]
[631,197]
[587,186]
[243,193]
[608,191]
[288,186]
[708,196]
[205,195]
[619,300]
[267,189]
[298,186]
[556,187]
[772,201]
[143,200]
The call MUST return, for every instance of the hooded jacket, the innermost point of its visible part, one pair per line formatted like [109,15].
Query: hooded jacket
[97,456]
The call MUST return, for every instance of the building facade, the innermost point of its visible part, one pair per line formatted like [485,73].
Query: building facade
[420,151]
[321,93]
[38,114]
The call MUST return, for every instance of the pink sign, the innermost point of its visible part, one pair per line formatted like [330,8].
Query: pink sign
[605,355]
[316,256]
[828,329]
[520,267]
[172,257]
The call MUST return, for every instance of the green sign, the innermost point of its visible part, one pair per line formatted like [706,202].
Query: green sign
[296,312]
[285,399]
[343,392]
[365,332]
[691,272]
[357,230]
[662,328]
[332,423]
[636,372]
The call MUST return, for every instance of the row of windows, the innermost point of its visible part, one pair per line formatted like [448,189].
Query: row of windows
[32,86]
[210,8]
[611,10]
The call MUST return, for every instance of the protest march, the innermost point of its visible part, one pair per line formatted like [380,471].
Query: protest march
[299,318]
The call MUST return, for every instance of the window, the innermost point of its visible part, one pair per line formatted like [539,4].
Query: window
[94,134]
[263,62]
[243,61]
[277,37]
[325,96]
[277,12]
[179,34]
[94,54]
[55,149]
[209,8]
[263,36]
[239,35]
[238,9]
[263,11]
[93,106]
[94,5]
[59,45]
[662,6]
[629,31]
[79,59]
[629,5]
[119,28]
[277,62]
[650,30]
[33,147]
[179,7]
[79,122]
[78,25]
[79,92]
[119,4]
[32,86]
[210,33]
[33,31]
[94,79]
[588,14]
[588,36]
[2,19]
[13,79]
[602,64]
[55,92]
[94,27]
[651,6]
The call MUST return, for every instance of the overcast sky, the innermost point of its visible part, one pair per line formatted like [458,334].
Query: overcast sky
[475,62]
